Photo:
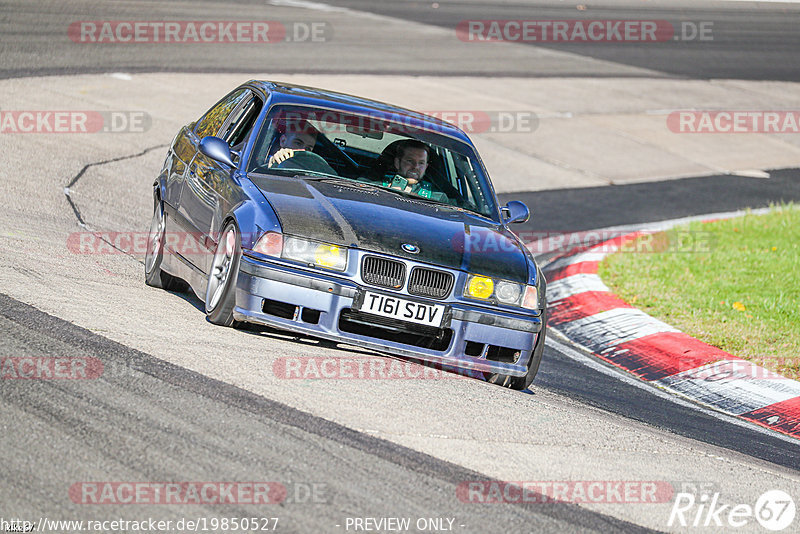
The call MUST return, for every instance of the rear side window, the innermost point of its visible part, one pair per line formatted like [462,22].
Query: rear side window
[214,118]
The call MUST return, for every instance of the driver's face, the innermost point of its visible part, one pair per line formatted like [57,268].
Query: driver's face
[298,141]
[412,165]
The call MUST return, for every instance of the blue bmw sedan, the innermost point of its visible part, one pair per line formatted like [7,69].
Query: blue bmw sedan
[351,220]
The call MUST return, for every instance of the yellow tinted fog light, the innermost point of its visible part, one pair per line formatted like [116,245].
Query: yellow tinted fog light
[480,287]
[330,256]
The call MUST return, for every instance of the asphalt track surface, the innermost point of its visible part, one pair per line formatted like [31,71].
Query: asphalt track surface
[587,208]
[751,42]
[231,434]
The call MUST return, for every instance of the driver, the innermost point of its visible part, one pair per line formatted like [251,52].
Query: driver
[299,135]
[411,160]
[410,163]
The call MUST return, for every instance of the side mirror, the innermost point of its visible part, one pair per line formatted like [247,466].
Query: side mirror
[515,212]
[217,149]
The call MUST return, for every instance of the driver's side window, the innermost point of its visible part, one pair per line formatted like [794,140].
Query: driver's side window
[267,139]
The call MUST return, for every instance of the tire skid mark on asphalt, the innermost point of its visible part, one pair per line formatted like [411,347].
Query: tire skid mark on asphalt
[79,175]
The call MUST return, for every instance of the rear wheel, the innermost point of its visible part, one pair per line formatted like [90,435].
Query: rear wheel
[221,290]
[521,383]
[153,275]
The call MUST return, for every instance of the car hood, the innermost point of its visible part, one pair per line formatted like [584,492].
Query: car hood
[373,219]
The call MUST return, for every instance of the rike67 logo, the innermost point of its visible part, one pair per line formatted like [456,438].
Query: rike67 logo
[774,510]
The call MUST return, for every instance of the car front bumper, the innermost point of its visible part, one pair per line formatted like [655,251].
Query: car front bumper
[319,304]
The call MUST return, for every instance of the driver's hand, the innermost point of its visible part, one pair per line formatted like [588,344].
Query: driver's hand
[280,156]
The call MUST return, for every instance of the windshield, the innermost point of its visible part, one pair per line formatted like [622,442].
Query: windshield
[383,151]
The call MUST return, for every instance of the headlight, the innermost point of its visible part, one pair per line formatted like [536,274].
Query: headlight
[508,292]
[315,253]
[330,256]
[479,287]
[501,291]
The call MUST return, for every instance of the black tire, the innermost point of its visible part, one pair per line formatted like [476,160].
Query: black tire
[521,383]
[221,288]
[153,275]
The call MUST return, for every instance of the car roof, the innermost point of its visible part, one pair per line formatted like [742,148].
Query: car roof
[286,93]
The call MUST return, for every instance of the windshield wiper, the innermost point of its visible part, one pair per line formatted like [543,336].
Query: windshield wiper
[299,173]
[317,176]
[414,196]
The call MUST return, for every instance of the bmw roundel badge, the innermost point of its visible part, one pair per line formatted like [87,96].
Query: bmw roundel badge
[411,249]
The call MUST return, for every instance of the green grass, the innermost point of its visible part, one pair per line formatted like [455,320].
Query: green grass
[734,284]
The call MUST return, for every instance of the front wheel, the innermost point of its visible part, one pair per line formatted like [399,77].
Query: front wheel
[521,383]
[221,290]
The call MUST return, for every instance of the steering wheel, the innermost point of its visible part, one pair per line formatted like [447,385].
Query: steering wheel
[305,160]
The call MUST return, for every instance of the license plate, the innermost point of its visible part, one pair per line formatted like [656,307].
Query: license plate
[402,309]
